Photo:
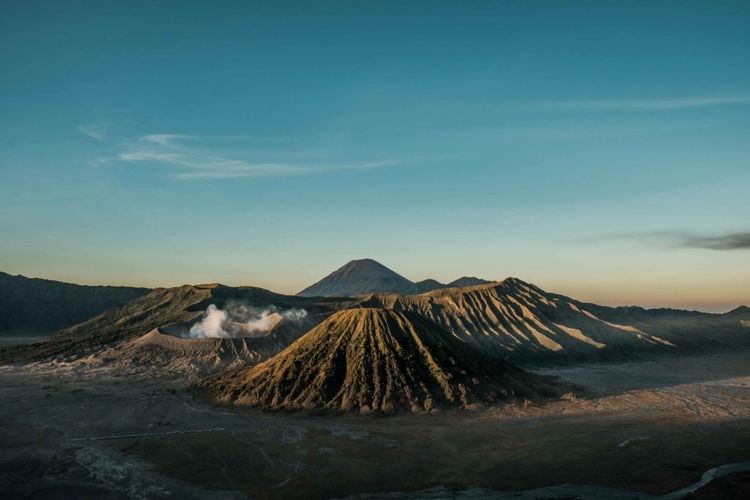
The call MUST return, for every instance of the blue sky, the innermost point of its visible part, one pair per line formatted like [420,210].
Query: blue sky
[593,148]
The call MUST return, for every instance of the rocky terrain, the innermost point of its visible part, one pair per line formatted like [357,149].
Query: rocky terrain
[526,324]
[511,318]
[173,310]
[377,361]
[161,355]
[159,397]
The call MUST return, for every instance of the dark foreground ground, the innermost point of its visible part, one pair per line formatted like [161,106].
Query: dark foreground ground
[72,431]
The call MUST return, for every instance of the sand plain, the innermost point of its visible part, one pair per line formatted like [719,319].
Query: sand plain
[72,430]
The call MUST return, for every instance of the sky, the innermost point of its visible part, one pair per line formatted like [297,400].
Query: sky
[596,149]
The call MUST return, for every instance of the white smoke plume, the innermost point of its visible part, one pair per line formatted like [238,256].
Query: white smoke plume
[265,322]
[240,320]
[210,325]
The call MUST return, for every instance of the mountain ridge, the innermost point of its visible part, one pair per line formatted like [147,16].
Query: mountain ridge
[370,360]
[41,306]
[511,318]
[171,308]
[524,323]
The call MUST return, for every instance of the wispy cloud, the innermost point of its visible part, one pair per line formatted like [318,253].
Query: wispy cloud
[656,104]
[232,169]
[164,139]
[674,239]
[96,131]
[187,160]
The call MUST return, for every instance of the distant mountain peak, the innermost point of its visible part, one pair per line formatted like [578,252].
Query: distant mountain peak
[365,276]
[430,281]
[359,277]
[741,310]
[467,281]
[369,264]
[427,285]
[365,260]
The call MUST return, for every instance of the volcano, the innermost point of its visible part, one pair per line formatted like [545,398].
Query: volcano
[359,277]
[168,309]
[512,319]
[168,356]
[364,276]
[368,360]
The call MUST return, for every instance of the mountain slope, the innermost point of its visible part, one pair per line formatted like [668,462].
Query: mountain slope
[162,355]
[172,309]
[39,306]
[359,277]
[524,323]
[374,360]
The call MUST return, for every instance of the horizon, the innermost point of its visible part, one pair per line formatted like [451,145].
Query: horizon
[715,310]
[595,150]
